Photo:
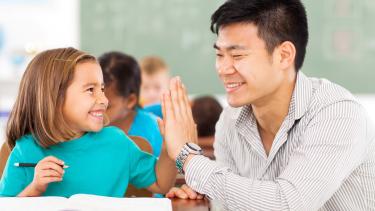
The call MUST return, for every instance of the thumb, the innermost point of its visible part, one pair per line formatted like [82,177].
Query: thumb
[161,126]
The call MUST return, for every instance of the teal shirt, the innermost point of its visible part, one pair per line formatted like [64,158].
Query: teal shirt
[101,163]
[146,126]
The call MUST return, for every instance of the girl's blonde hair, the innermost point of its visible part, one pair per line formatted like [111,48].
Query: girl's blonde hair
[38,107]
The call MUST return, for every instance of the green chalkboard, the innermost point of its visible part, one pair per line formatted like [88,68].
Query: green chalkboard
[341,45]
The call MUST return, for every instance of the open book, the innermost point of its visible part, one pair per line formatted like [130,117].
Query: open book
[83,202]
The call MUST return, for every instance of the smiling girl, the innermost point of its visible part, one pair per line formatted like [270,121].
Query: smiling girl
[58,121]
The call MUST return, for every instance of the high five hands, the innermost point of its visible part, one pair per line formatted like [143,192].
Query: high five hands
[178,128]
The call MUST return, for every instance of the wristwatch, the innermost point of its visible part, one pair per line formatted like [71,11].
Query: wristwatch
[187,149]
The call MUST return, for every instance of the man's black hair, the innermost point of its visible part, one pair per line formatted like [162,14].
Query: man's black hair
[277,21]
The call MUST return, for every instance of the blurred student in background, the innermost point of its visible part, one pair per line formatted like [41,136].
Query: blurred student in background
[155,80]
[206,111]
[122,77]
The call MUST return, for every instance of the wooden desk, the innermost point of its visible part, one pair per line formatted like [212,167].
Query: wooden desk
[190,205]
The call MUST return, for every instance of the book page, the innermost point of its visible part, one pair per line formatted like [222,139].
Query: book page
[47,203]
[85,202]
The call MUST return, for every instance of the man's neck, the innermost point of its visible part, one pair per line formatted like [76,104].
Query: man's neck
[271,112]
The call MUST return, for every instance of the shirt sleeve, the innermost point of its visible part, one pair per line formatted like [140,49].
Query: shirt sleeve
[14,178]
[333,145]
[142,167]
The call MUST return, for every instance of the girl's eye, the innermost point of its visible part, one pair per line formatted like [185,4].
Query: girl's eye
[103,89]
[90,89]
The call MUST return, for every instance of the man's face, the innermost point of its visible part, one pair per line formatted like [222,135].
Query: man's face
[244,65]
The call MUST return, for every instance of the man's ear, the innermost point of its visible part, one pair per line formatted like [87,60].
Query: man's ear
[286,55]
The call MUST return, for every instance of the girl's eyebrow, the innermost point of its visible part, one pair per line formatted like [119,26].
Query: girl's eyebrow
[92,84]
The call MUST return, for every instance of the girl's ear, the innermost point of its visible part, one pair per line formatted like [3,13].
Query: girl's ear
[132,100]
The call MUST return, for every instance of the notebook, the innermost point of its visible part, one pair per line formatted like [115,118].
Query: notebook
[84,202]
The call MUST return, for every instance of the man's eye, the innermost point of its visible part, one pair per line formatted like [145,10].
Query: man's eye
[239,56]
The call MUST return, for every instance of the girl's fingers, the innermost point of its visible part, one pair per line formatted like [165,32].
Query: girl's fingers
[51,165]
[169,110]
[50,173]
[181,100]
[186,101]
[163,111]
[161,126]
[52,159]
[175,98]
[47,180]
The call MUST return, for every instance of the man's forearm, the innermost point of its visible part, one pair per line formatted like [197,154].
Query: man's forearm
[236,192]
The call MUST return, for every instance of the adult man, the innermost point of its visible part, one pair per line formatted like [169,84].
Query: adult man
[287,141]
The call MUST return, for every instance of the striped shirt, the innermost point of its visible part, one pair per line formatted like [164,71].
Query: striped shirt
[322,157]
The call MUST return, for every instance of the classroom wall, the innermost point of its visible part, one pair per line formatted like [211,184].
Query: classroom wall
[341,46]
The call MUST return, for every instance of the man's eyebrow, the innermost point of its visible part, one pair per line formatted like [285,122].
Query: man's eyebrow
[231,47]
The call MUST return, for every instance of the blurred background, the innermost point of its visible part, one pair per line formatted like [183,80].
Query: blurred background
[341,46]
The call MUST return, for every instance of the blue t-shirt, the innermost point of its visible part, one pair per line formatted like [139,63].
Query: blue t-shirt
[100,163]
[146,126]
[154,109]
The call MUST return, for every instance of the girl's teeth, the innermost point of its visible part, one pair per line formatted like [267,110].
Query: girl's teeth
[233,85]
[97,114]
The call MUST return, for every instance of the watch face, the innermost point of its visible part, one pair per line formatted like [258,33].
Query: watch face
[193,146]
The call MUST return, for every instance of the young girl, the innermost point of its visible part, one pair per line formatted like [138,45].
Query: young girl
[122,77]
[58,122]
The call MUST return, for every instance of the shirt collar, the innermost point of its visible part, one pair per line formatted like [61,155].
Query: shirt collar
[298,106]
[302,94]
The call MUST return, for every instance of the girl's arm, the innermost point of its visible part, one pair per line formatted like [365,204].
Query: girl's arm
[165,173]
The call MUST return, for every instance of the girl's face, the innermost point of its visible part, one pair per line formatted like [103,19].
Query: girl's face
[85,103]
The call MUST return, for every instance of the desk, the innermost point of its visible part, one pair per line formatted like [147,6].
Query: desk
[190,205]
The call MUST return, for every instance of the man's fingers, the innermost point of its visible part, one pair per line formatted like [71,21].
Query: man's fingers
[176,192]
[181,194]
[190,192]
[171,193]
